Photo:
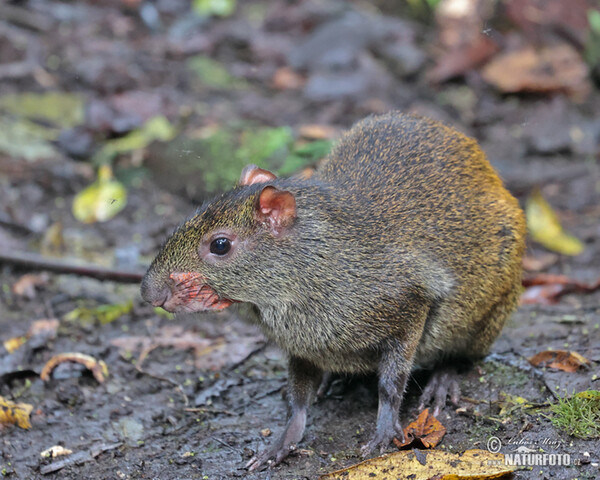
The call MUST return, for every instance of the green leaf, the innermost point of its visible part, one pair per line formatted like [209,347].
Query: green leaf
[219,8]
[212,73]
[156,129]
[100,201]
[545,228]
[61,109]
[24,139]
[305,155]
[102,313]
[260,144]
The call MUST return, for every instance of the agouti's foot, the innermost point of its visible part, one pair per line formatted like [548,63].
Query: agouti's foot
[443,383]
[270,457]
[382,439]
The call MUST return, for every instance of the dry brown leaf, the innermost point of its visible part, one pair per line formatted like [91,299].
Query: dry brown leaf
[97,367]
[425,432]
[567,361]
[461,39]
[536,17]
[15,413]
[286,79]
[539,262]
[315,131]
[547,288]
[45,327]
[429,464]
[460,60]
[26,285]
[557,68]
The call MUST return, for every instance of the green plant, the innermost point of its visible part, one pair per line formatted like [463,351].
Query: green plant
[578,415]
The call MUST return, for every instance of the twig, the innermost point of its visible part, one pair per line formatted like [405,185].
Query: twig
[34,261]
[26,18]
[78,458]
[210,410]
[168,380]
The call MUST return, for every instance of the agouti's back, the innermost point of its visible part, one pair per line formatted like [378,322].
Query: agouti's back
[429,190]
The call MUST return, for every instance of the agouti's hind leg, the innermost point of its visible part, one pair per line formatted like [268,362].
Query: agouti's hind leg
[443,383]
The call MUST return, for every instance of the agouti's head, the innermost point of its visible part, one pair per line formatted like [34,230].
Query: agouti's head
[221,255]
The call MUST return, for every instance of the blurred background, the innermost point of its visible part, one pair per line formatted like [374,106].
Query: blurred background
[130,95]
[118,116]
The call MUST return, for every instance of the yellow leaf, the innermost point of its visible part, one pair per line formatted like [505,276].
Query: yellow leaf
[405,464]
[100,201]
[13,343]
[545,228]
[15,413]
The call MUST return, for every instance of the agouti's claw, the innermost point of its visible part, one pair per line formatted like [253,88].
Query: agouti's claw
[270,457]
[443,383]
[382,440]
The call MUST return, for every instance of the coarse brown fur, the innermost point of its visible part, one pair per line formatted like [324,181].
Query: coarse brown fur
[405,250]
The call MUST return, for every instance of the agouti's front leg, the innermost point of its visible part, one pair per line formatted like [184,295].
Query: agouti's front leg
[395,365]
[304,378]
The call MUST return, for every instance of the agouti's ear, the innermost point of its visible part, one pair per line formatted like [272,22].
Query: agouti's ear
[276,209]
[251,174]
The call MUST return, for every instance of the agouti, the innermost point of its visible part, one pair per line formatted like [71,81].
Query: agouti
[403,250]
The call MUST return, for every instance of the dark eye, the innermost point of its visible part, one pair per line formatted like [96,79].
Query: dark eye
[220,246]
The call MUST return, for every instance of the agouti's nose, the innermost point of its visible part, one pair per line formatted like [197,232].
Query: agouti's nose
[155,296]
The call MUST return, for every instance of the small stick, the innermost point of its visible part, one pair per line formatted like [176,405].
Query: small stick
[34,261]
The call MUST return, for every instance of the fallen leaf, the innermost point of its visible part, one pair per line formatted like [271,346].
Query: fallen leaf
[315,131]
[536,17]
[540,262]
[102,313]
[286,79]
[219,8]
[463,42]
[26,285]
[42,329]
[97,367]
[78,458]
[425,432]
[557,68]
[547,288]
[545,228]
[46,326]
[62,109]
[55,451]
[24,139]
[429,464]
[14,343]
[567,361]
[458,61]
[100,201]
[512,403]
[15,413]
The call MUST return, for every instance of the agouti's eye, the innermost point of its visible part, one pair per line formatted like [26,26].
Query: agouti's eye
[220,246]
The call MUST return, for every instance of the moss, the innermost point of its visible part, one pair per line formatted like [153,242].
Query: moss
[504,376]
[578,415]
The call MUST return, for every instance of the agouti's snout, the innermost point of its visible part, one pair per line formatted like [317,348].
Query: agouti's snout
[154,294]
